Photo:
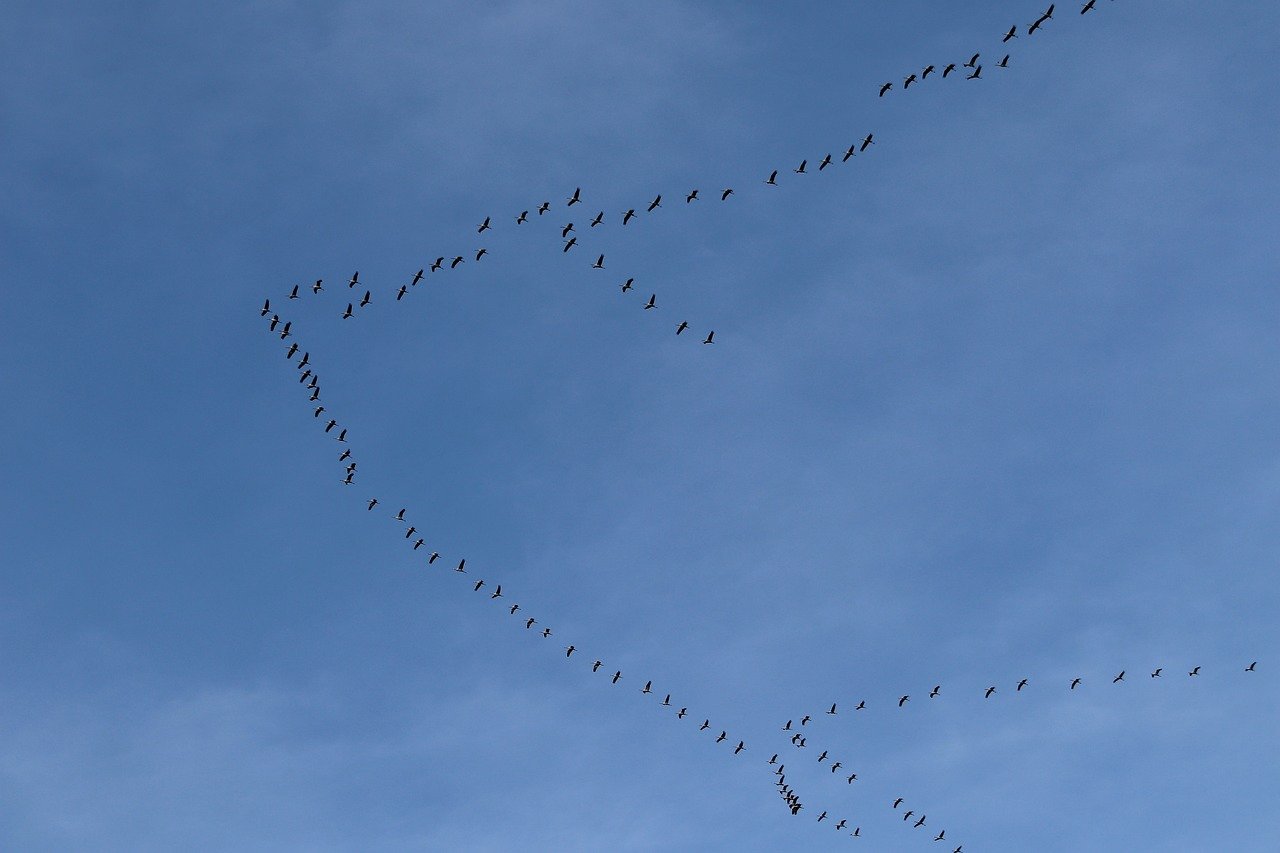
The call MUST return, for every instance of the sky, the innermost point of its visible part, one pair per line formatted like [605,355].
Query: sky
[995,399]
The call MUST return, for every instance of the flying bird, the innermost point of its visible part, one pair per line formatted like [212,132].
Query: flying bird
[523,217]
[573,241]
[683,325]
[1075,682]
[417,277]
[1021,684]
[990,690]
[435,555]
[484,226]
[275,321]
[906,84]
[940,835]
[461,565]
[861,706]
[973,61]
[886,87]
[822,757]
[598,219]
[920,822]
[1157,672]
[897,802]
[629,215]
[284,333]
[564,232]
[626,285]
[903,701]
[479,584]
[569,650]
[616,677]
[928,69]
[1251,667]
[710,335]
[867,141]
[977,73]
[723,735]
[457,260]
[650,303]
[293,294]
[401,292]
[1118,678]
[293,348]
[497,592]
[480,254]
[365,300]
[419,544]
[342,436]
[773,178]
[599,264]
[804,721]
[657,202]
[1088,6]
[826,161]
[437,263]
[950,67]
[544,207]
[575,198]
[933,694]
[832,711]
[728,191]
[1012,34]
[692,196]
[648,687]
[799,170]
[1004,63]
[373,502]
[1195,671]
[853,149]
[741,746]
[318,286]
[330,425]
[355,279]
[266,308]
[546,632]
[529,623]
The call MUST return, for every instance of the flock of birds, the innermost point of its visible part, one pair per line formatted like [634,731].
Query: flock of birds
[416,541]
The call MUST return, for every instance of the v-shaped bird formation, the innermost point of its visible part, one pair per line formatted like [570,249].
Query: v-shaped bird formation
[418,537]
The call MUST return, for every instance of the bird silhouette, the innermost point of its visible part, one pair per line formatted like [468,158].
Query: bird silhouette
[569,650]
[650,303]
[977,73]
[1156,673]
[479,584]
[523,217]
[861,706]
[906,84]
[457,260]
[886,87]
[710,335]
[626,285]
[832,710]
[773,178]
[928,69]
[417,277]
[599,217]
[1088,6]
[657,202]
[822,757]
[1021,684]
[933,694]
[438,263]
[461,565]
[692,196]
[599,264]
[1251,667]
[366,299]
[266,308]
[1012,34]
[435,555]
[372,503]
[575,198]
[728,191]
[903,701]
[1003,63]
[293,294]
[804,721]
[1195,671]
[950,67]
[897,802]
[544,207]
[617,676]
[973,61]
[546,632]
[867,141]
[1118,678]
[484,226]
[480,254]
[683,325]
[648,687]
[1074,683]
[799,170]
[849,152]
[355,279]
[318,286]
[920,822]
[990,690]
[401,292]
[826,161]
[497,592]
[595,666]
[628,216]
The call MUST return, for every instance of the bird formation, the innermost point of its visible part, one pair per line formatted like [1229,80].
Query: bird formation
[571,248]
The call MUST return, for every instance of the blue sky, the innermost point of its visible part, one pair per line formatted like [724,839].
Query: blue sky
[996,399]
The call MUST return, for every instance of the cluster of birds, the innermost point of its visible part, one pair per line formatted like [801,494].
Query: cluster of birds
[972,70]
[570,246]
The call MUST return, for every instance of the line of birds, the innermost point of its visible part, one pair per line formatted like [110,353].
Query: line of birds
[569,241]
[416,541]
[991,690]
[972,68]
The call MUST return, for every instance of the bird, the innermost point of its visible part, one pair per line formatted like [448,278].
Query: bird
[497,592]
[826,161]
[569,245]
[315,394]
[857,831]
[648,687]
[318,286]
[774,759]
[692,196]
[650,303]
[399,516]
[1074,683]
[306,359]
[741,746]
[728,191]
[832,711]
[804,721]
[773,178]
[1088,6]
[401,292]
[529,623]
[461,565]
[626,285]
[598,219]
[867,141]
[1118,678]
[787,727]
[1003,63]
[822,757]
[973,61]
[906,84]
[666,700]
[897,802]
[546,632]
[575,198]
[523,217]
[454,263]
[617,676]
[723,735]
[990,690]
[903,701]
[484,226]
[861,706]
[1251,667]
[437,263]
[293,294]
[417,277]
[293,348]
[799,170]
[683,325]
[1012,34]
[928,69]
[977,73]
[1157,672]
[680,715]
[1195,671]
[908,814]
[853,149]
[372,503]
[435,555]
[342,436]
[569,650]
[657,202]
[349,478]
[629,215]
[303,377]
[920,822]
[853,777]
[544,207]
[481,253]
[950,67]
[275,321]
[841,824]
[355,279]
[365,300]
[710,335]
[836,766]
[599,264]
[822,817]
[940,835]
[284,333]
[564,232]
[266,308]
[933,694]
[316,414]
[408,534]
[886,87]
[419,544]
[330,425]
[1021,684]
[479,584]
[513,609]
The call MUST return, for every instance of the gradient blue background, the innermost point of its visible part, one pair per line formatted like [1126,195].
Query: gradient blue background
[997,399]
